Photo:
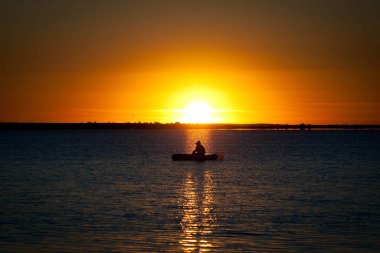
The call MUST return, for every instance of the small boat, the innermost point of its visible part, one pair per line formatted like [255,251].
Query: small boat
[189,157]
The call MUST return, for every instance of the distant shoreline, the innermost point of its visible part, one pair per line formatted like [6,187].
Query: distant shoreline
[94,125]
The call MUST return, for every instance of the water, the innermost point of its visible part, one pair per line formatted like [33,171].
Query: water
[119,191]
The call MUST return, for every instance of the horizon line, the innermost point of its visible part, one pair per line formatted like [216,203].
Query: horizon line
[178,125]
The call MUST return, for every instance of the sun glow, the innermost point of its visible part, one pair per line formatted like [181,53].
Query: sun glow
[198,112]
[205,101]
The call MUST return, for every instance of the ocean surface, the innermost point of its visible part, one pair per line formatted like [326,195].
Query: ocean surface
[119,191]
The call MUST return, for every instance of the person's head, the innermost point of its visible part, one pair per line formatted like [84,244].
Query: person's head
[198,143]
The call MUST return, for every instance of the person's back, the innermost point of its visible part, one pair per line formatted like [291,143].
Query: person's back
[199,151]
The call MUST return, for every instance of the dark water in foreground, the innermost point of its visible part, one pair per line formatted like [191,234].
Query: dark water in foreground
[119,191]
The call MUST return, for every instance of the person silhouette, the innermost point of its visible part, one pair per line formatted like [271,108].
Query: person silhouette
[199,151]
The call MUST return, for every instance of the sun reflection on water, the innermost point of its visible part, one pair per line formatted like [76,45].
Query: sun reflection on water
[192,136]
[198,219]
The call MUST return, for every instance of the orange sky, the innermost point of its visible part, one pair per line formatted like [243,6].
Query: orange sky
[252,61]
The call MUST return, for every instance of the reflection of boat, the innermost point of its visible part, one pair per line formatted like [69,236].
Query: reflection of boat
[189,157]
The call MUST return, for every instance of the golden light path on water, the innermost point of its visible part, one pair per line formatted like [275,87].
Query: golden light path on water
[198,220]
[196,203]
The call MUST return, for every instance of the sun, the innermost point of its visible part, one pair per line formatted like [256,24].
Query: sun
[198,112]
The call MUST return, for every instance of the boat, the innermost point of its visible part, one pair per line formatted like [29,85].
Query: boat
[190,157]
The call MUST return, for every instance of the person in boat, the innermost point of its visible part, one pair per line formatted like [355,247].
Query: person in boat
[199,151]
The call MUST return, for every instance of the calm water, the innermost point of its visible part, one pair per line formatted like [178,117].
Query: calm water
[119,191]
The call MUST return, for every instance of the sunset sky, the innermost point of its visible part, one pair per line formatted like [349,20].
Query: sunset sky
[230,61]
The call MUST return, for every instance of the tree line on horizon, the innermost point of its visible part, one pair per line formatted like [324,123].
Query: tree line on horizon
[178,125]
